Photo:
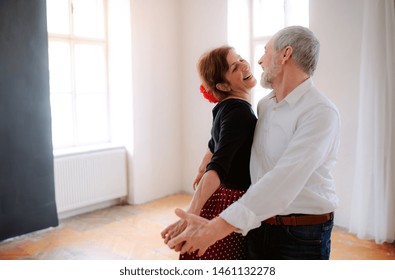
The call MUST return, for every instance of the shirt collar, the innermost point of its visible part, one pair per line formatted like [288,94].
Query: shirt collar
[293,97]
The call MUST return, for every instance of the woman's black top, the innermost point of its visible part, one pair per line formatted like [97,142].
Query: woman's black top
[231,139]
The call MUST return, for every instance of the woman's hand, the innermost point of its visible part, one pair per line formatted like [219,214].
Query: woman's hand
[174,230]
[202,168]
[197,179]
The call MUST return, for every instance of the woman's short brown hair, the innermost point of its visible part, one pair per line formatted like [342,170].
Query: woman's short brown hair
[212,67]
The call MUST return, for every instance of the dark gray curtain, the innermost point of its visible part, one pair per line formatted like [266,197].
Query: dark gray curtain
[27,193]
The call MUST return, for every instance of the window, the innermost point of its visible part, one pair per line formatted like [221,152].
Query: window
[256,21]
[78,67]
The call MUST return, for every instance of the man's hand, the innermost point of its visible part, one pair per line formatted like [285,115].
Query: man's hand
[199,234]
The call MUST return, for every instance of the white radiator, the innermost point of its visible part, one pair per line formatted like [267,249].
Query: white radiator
[86,179]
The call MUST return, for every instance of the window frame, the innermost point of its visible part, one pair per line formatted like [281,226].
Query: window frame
[73,40]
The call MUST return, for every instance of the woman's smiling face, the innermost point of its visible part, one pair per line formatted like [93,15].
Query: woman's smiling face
[239,74]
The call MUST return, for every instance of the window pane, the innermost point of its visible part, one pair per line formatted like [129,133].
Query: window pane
[259,91]
[268,17]
[89,18]
[58,16]
[59,67]
[92,115]
[62,120]
[239,26]
[90,65]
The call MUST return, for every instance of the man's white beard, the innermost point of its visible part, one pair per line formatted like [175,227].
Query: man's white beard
[265,83]
[268,76]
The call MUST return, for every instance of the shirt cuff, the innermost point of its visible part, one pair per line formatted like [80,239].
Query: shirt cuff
[240,217]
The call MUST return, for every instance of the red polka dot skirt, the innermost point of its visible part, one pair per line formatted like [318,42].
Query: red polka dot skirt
[232,247]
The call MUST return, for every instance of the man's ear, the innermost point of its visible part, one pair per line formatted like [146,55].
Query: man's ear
[287,53]
[223,87]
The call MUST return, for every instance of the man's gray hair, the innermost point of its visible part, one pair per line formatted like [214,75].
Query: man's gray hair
[305,45]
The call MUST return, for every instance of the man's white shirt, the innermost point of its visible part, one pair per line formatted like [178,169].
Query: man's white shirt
[293,153]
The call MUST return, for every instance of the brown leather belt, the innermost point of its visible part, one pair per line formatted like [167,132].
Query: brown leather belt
[299,219]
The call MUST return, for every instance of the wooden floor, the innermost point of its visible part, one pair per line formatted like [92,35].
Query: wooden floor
[133,232]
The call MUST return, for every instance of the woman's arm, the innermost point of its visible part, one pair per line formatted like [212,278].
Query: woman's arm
[208,184]
[199,198]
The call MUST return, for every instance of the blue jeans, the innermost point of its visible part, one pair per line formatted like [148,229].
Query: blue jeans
[279,242]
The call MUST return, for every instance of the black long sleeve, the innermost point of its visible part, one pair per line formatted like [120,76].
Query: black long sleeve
[231,139]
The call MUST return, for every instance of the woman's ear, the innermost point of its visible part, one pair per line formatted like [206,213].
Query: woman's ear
[223,87]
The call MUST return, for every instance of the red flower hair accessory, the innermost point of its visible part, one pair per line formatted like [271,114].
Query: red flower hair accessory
[208,95]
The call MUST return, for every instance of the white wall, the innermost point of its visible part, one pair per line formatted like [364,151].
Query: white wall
[338,25]
[155,165]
